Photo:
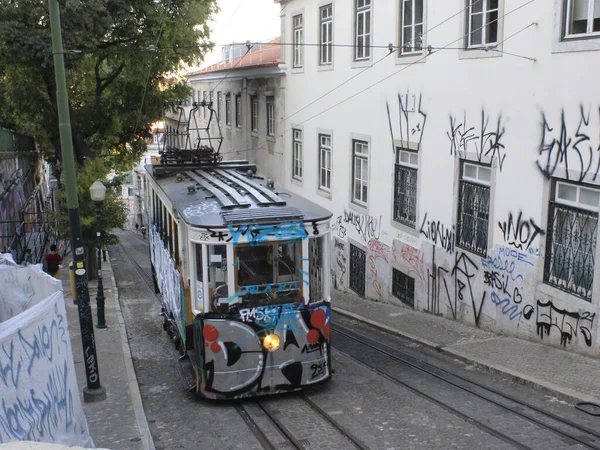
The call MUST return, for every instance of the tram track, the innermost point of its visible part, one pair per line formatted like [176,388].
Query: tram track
[142,272]
[284,431]
[566,429]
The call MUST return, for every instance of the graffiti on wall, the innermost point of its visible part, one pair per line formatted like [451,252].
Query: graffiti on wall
[483,138]
[339,264]
[439,234]
[367,227]
[572,144]
[568,324]
[379,264]
[411,119]
[520,233]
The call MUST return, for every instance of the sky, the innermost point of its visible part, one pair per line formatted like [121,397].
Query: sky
[242,20]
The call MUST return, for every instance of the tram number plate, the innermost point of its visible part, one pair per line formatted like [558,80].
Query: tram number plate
[318,369]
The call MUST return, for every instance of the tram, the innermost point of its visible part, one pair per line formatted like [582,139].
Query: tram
[241,268]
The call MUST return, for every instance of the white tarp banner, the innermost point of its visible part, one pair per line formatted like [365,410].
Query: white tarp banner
[39,397]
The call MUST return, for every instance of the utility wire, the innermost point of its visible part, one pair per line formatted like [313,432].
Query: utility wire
[249,46]
[235,149]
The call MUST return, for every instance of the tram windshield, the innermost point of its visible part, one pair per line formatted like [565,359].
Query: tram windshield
[269,274]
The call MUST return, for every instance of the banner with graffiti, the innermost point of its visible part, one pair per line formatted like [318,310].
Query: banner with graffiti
[40,398]
[169,281]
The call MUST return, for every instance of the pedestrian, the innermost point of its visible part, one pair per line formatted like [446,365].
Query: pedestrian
[52,261]
[137,226]
[143,231]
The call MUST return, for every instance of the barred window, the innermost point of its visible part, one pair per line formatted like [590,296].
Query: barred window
[571,238]
[473,208]
[403,287]
[405,187]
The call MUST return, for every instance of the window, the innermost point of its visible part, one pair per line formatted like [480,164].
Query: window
[326,37]
[219,101]
[238,111]
[571,238]
[298,41]
[403,287]
[270,116]
[204,99]
[297,154]
[228,109]
[411,27]
[212,97]
[362,37]
[325,162]
[405,187]
[582,17]
[360,172]
[482,23]
[254,118]
[474,208]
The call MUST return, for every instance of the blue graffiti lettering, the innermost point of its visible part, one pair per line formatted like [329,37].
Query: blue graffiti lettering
[501,264]
[257,234]
[512,312]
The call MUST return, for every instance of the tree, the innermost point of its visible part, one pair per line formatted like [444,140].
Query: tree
[120,57]
[114,211]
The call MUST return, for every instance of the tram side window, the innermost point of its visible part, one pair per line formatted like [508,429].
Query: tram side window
[217,277]
[199,278]
[316,266]
[269,274]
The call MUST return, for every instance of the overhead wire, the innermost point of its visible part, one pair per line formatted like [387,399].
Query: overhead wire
[280,135]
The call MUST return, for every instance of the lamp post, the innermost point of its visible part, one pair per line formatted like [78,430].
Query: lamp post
[94,391]
[98,193]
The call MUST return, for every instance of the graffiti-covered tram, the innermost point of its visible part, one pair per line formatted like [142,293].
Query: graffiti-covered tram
[241,270]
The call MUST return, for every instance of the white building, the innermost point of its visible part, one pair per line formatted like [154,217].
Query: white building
[462,166]
[247,92]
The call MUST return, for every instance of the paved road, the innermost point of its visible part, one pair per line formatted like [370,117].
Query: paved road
[383,414]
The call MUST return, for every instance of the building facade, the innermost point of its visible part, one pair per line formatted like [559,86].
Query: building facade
[458,144]
[247,92]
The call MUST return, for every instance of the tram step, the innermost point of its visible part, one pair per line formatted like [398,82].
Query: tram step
[186,373]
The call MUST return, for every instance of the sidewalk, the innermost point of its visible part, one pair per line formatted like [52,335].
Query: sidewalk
[119,421]
[570,375]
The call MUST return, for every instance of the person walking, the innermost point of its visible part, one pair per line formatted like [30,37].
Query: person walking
[52,261]
[143,231]
[137,226]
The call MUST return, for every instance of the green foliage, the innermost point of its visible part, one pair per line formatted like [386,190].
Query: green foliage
[114,211]
[112,63]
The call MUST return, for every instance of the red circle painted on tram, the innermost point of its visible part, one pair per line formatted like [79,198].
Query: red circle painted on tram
[210,333]
[312,336]
[318,319]
[326,331]
[215,347]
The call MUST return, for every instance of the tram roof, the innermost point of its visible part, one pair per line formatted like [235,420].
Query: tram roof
[224,195]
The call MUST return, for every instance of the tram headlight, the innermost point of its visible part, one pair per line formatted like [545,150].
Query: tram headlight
[271,342]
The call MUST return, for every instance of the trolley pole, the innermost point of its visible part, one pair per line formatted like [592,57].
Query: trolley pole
[93,392]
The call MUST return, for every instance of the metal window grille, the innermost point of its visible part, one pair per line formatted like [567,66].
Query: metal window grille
[405,195]
[411,28]
[403,287]
[326,35]
[316,269]
[482,22]
[358,270]
[473,217]
[571,249]
[363,30]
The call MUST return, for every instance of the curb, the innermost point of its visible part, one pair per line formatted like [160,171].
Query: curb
[134,390]
[521,378]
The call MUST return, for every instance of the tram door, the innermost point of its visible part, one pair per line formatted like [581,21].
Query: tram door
[217,278]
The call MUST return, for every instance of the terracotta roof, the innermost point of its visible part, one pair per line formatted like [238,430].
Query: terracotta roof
[268,55]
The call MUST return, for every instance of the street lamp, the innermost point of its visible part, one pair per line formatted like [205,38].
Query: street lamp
[98,193]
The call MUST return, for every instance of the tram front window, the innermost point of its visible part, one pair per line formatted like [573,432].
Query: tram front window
[269,274]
